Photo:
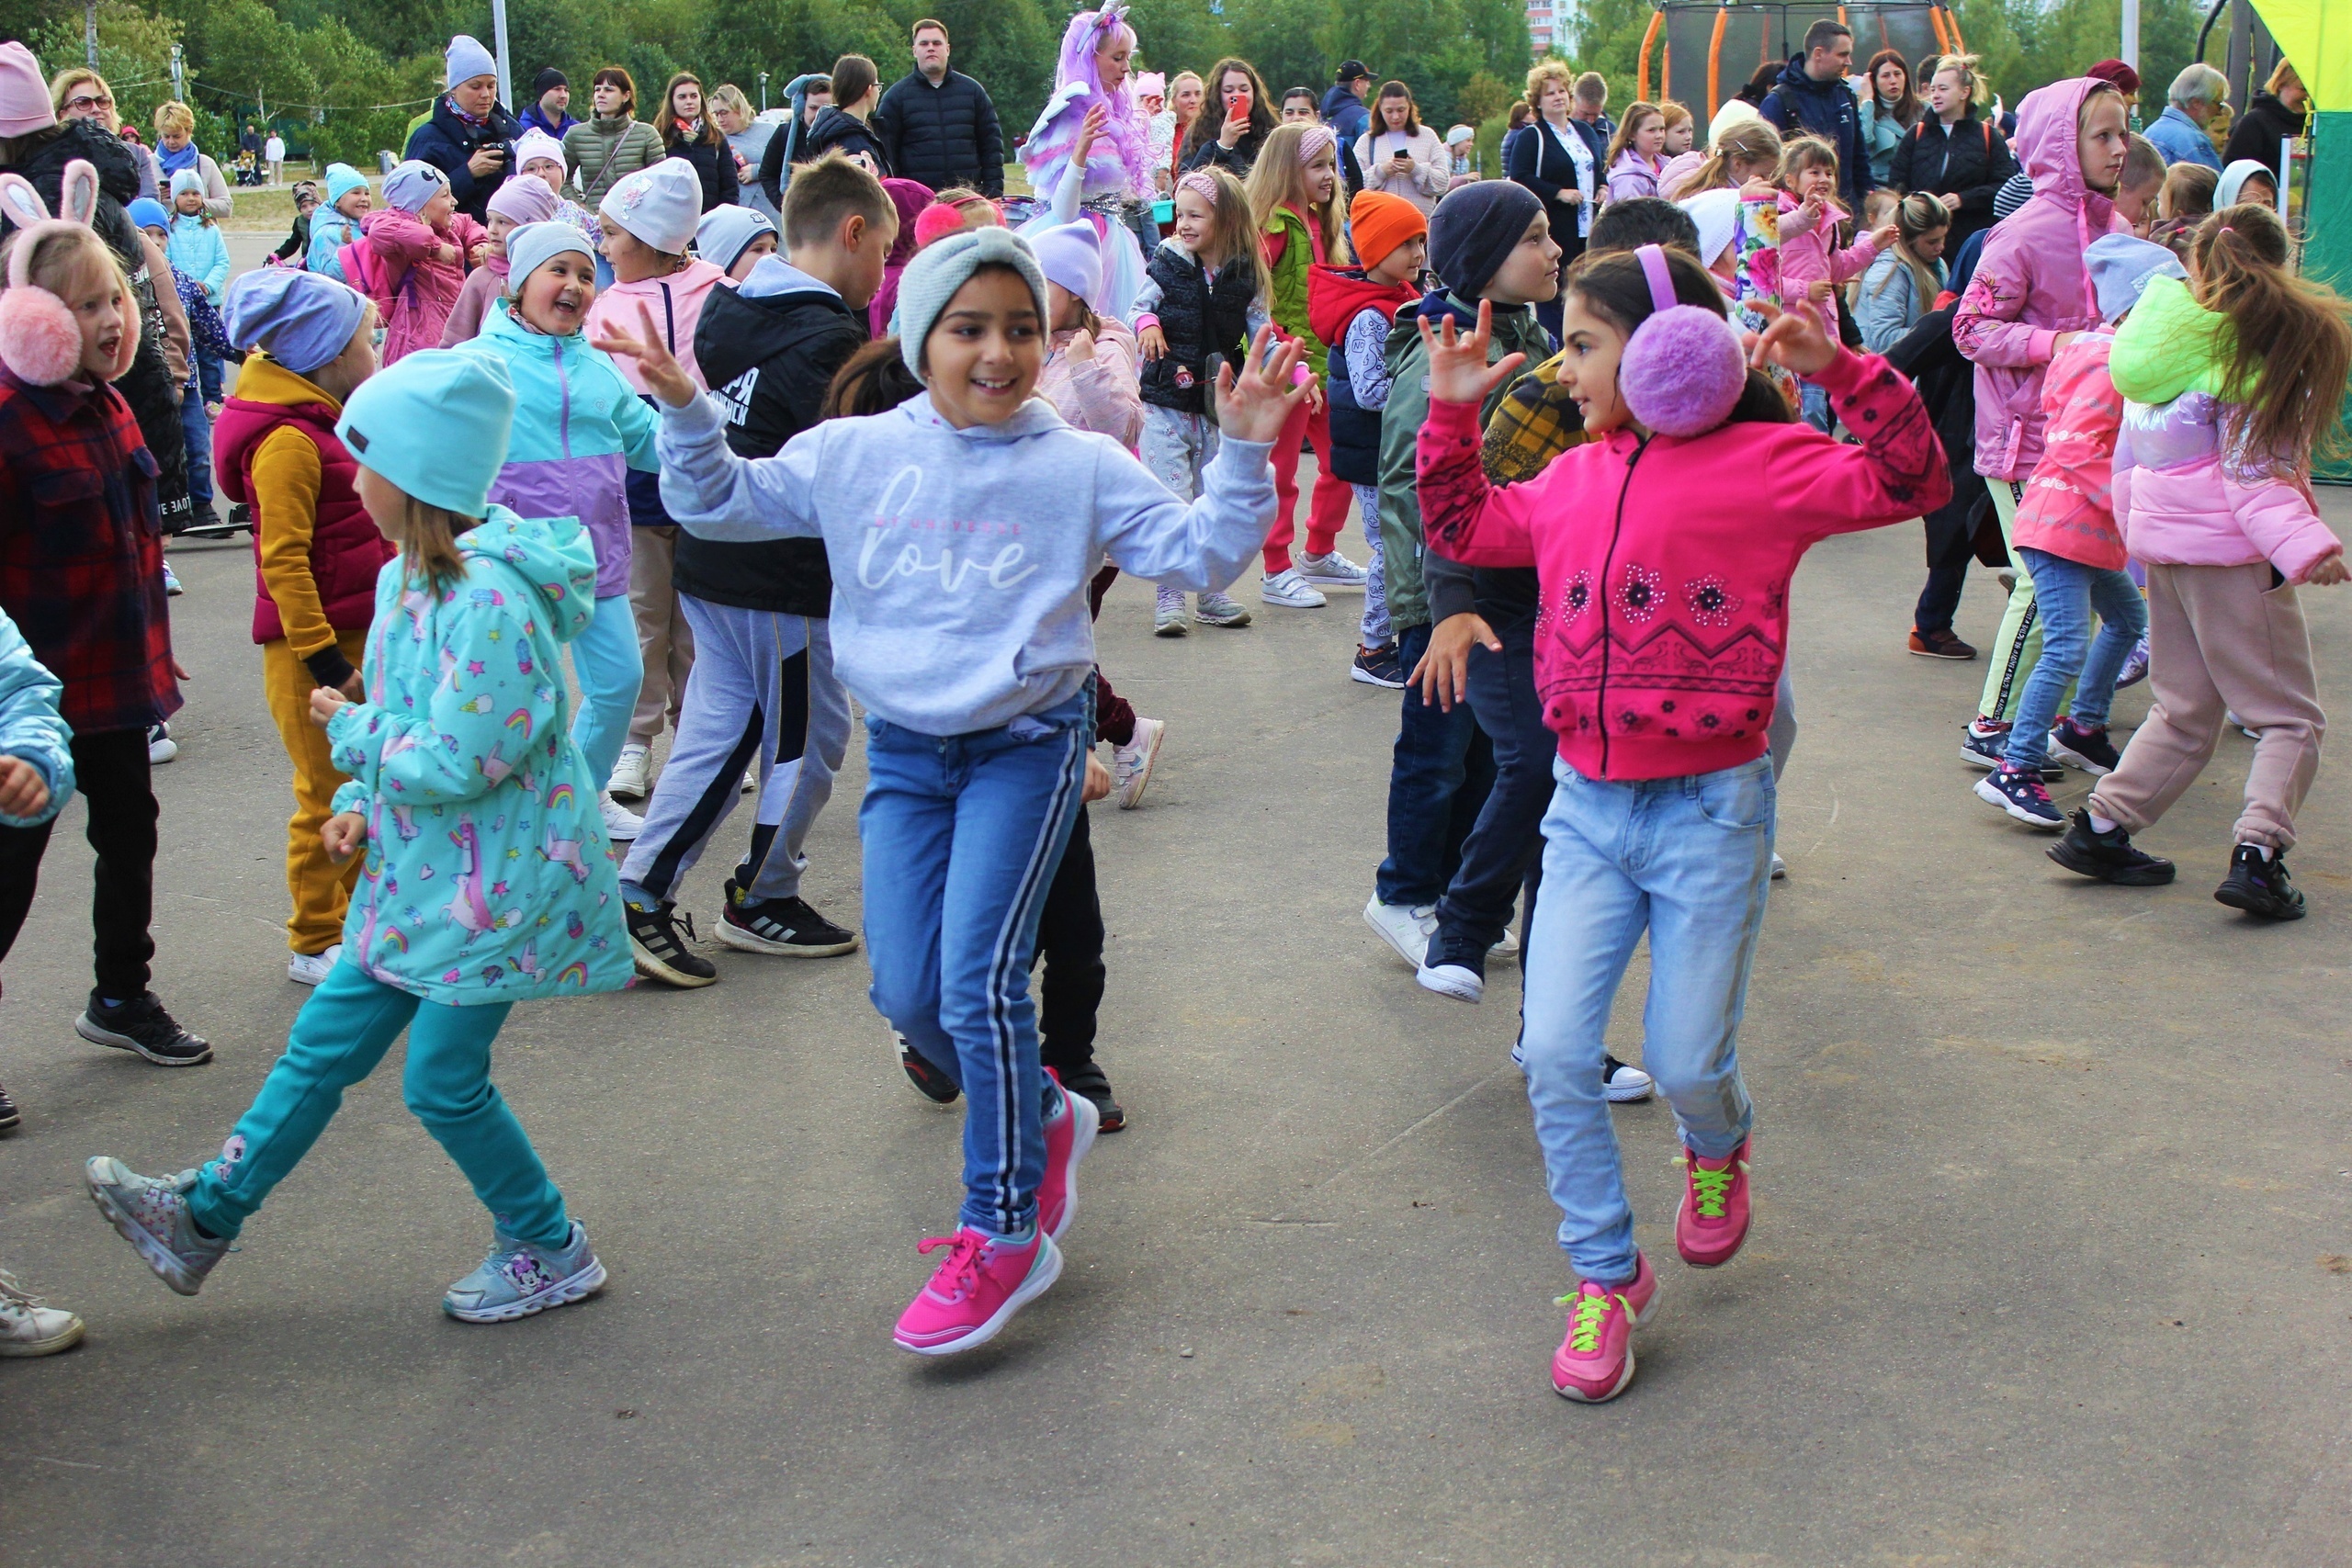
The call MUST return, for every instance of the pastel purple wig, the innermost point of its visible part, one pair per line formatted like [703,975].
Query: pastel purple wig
[1128,131]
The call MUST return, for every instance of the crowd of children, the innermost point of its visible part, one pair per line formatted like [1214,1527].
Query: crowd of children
[763,468]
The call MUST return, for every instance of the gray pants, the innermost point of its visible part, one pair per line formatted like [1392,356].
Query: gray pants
[762,691]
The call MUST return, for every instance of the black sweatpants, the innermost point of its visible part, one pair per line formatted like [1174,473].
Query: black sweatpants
[1069,943]
[110,771]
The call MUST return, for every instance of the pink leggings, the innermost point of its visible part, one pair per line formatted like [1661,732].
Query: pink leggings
[1333,495]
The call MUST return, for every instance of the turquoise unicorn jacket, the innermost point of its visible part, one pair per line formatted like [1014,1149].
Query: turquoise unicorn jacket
[488,875]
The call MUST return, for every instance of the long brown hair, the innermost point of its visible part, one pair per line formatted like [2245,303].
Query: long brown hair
[1627,128]
[1744,142]
[1211,120]
[1279,179]
[1907,104]
[1616,287]
[427,536]
[665,118]
[2290,340]
[872,380]
[1236,241]
[1916,217]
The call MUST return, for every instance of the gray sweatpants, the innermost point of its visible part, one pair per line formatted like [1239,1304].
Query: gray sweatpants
[762,691]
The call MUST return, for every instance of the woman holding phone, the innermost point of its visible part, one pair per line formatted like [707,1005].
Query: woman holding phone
[1233,124]
[1399,154]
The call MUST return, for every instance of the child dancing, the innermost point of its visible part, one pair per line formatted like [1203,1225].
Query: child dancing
[417,251]
[1677,526]
[960,621]
[464,779]
[2233,384]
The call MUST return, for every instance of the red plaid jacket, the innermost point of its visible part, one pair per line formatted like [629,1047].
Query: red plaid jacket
[81,552]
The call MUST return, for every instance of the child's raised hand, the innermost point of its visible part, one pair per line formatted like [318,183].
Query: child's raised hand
[1255,404]
[1759,189]
[1458,370]
[23,792]
[1152,341]
[2326,573]
[1808,213]
[665,376]
[1885,235]
[342,835]
[1081,347]
[1793,340]
[325,703]
[482,252]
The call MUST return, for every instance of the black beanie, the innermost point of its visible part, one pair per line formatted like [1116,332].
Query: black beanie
[546,80]
[1473,229]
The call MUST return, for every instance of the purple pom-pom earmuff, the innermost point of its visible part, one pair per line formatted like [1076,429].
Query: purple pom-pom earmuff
[1684,369]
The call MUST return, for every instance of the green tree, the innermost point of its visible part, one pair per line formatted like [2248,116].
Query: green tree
[134,56]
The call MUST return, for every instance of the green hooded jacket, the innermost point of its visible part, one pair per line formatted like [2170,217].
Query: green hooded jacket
[2170,344]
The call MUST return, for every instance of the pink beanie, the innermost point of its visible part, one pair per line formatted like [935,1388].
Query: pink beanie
[24,92]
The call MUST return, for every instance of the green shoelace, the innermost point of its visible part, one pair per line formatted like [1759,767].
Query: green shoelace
[1710,1188]
[1583,1324]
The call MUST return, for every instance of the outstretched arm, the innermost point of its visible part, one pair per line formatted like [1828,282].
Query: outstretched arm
[1464,516]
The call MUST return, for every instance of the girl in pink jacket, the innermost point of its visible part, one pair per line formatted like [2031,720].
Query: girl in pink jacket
[2029,296]
[1812,267]
[2231,385]
[1663,549]
[419,246]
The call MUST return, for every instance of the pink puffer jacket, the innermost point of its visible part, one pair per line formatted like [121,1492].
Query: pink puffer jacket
[2068,508]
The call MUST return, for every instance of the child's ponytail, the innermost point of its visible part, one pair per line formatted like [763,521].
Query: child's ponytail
[872,380]
[428,542]
[1917,215]
[2291,347]
[1742,141]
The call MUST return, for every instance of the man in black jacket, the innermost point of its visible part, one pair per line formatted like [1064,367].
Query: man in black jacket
[1813,100]
[762,692]
[937,126]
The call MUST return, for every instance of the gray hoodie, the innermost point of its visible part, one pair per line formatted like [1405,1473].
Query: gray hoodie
[961,558]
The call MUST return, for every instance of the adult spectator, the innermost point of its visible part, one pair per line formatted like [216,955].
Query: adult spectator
[550,108]
[273,155]
[1759,86]
[1233,124]
[79,92]
[249,140]
[1890,109]
[2278,112]
[1589,107]
[470,136]
[175,150]
[1951,154]
[1343,110]
[2120,76]
[1812,99]
[687,132]
[1186,96]
[1402,156]
[848,124]
[1559,159]
[937,126]
[747,137]
[1521,115]
[2180,131]
[612,142]
[816,97]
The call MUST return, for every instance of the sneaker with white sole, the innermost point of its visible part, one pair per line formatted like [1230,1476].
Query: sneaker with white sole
[660,952]
[142,1024]
[30,1327]
[751,780]
[2021,794]
[633,774]
[1378,667]
[1407,928]
[1217,610]
[1131,764]
[518,1280]
[786,927]
[172,589]
[621,825]
[1334,570]
[1780,867]
[1595,1360]
[1069,1133]
[1289,590]
[1622,1083]
[150,1213]
[974,1293]
[311,968]
[161,746]
[1168,614]
[2089,749]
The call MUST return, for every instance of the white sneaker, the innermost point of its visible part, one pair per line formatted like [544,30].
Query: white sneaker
[1131,764]
[1168,614]
[1456,980]
[1625,1085]
[633,774]
[30,1328]
[1288,589]
[1406,928]
[750,779]
[161,746]
[1334,570]
[311,968]
[1508,947]
[1780,867]
[621,825]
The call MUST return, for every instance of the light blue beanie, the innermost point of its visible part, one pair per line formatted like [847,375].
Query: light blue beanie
[148,213]
[2119,267]
[725,231]
[435,423]
[533,245]
[302,319]
[467,60]
[187,179]
[341,180]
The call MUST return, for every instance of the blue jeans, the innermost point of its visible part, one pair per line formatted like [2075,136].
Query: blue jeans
[611,669]
[1497,856]
[196,425]
[1688,860]
[963,835]
[1443,768]
[2067,594]
[338,1037]
[1814,403]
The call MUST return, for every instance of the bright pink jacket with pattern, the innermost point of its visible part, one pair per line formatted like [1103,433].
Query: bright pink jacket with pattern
[2068,509]
[1663,564]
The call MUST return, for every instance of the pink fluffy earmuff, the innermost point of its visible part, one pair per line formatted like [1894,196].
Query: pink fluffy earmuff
[39,340]
[1684,369]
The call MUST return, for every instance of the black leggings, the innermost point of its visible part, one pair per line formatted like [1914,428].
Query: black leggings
[111,769]
[1069,942]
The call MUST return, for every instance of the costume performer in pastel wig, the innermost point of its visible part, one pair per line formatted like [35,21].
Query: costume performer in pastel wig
[1090,152]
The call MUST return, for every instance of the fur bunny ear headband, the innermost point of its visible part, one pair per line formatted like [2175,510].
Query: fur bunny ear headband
[39,339]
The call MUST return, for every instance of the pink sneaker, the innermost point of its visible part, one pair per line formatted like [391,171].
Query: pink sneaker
[976,1291]
[1068,1137]
[1712,1220]
[1595,1360]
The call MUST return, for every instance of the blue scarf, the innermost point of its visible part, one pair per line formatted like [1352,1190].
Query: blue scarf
[174,161]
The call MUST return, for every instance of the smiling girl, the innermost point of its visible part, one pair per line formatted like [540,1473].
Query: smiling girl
[960,621]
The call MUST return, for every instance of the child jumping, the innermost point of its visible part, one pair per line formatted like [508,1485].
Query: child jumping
[1813,269]
[2233,385]
[961,623]
[511,207]
[1678,525]
[464,780]
[417,251]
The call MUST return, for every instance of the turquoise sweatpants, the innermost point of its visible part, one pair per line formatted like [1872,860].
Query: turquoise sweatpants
[338,1037]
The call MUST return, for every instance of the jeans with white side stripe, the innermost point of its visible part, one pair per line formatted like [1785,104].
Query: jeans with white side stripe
[963,835]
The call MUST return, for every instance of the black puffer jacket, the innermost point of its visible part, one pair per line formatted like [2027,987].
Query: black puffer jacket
[1968,159]
[839,128]
[147,385]
[714,165]
[448,144]
[943,136]
[2257,132]
[1198,318]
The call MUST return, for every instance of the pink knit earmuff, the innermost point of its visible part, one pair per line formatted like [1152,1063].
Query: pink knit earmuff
[39,340]
[1684,369]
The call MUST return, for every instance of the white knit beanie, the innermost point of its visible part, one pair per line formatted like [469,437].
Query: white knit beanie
[660,204]
[942,267]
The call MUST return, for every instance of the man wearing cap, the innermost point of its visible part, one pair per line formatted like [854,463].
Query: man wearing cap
[938,126]
[469,136]
[1342,109]
[550,107]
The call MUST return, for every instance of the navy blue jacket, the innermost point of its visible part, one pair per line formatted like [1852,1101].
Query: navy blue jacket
[447,143]
[1799,106]
[1346,115]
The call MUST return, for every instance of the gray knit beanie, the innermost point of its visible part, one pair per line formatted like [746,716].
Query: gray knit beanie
[943,266]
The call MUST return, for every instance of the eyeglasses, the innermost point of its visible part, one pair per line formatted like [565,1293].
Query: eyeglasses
[86,102]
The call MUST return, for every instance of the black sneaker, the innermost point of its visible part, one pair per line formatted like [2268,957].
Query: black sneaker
[1621,1083]
[1089,1082]
[1379,667]
[929,1081]
[1453,968]
[141,1024]
[660,953]
[9,1117]
[1983,742]
[2261,886]
[2109,856]
[785,926]
[2088,749]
